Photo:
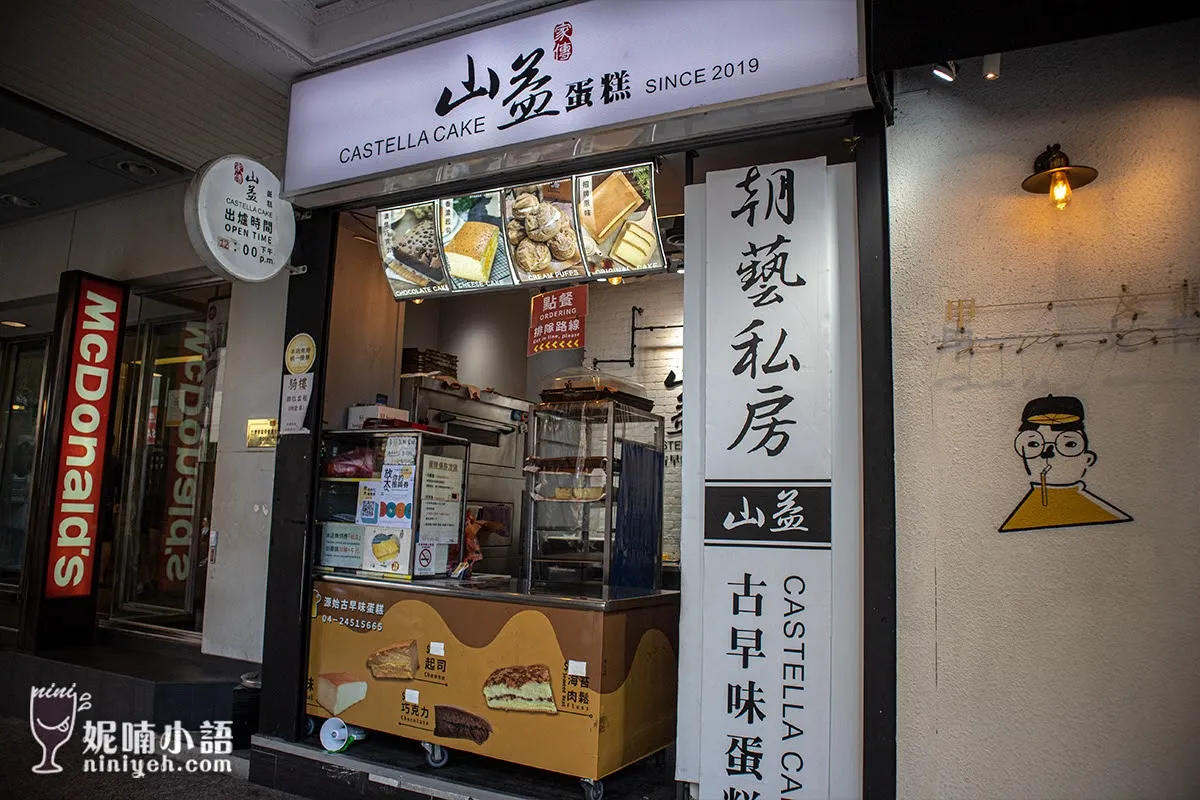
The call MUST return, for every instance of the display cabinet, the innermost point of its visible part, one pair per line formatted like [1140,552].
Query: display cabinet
[391,503]
[594,494]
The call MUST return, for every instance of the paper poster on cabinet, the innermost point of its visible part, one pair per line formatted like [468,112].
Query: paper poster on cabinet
[618,220]
[472,242]
[441,500]
[543,239]
[410,246]
[1056,453]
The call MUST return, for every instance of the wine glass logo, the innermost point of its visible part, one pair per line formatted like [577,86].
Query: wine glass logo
[52,711]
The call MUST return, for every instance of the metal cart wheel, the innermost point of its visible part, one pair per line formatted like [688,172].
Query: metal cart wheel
[592,790]
[436,756]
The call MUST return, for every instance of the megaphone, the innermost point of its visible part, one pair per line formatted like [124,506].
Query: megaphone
[336,735]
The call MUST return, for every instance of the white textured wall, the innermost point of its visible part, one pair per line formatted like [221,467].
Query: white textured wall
[657,354]
[133,237]
[1063,663]
[235,599]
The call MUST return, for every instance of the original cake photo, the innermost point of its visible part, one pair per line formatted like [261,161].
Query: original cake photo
[472,242]
[540,229]
[618,220]
[410,246]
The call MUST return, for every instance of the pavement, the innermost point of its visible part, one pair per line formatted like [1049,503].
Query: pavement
[20,752]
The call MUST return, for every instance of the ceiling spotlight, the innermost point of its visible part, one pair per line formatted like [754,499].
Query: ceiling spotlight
[991,67]
[418,300]
[946,70]
[616,280]
[137,169]
[18,201]
[12,323]
[1054,173]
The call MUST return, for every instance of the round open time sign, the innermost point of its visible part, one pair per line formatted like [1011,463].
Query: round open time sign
[236,220]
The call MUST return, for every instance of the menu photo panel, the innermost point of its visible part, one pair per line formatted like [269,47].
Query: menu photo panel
[410,246]
[543,237]
[473,242]
[618,220]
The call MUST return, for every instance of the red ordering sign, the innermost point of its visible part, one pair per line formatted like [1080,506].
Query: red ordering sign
[99,314]
[557,320]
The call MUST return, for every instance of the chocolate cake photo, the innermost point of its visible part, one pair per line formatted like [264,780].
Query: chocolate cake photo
[520,688]
[410,247]
[456,723]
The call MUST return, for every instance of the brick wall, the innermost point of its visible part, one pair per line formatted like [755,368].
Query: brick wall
[658,353]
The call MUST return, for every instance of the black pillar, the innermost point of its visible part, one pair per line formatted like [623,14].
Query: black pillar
[879,470]
[292,547]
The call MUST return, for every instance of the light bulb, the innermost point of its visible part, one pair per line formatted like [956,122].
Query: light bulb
[1060,190]
[616,281]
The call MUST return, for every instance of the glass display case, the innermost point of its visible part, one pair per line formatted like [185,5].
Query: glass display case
[391,503]
[594,494]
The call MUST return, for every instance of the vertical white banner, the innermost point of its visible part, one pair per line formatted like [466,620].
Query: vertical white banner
[767,599]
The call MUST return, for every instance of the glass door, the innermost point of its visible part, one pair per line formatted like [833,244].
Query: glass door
[24,366]
[171,393]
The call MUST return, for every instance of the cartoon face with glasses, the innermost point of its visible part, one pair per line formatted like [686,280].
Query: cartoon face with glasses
[1053,447]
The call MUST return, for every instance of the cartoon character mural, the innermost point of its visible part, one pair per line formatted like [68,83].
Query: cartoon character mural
[1053,446]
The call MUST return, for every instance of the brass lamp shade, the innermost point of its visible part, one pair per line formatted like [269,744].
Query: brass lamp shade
[1052,161]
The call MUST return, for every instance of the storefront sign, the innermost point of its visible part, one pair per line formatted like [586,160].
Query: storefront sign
[74,534]
[557,320]
[568,70]
[768,443]
[237,221]
[558,231]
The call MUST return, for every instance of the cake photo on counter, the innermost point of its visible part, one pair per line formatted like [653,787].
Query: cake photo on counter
[385,546]
[619,221]
[520,688]
[541,231]
[396,661]
[337,691]
[410,247]
[472,241]
[455,723]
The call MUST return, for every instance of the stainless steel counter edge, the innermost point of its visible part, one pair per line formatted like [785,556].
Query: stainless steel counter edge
[453,588]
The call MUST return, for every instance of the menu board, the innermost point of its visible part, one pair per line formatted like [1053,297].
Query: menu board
[473,246]
[559,231]
[542,235]
[410,247]
[618,221]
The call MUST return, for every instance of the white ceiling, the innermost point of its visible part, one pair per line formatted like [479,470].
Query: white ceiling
[190,80]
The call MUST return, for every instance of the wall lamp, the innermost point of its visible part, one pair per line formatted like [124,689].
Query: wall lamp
[1054,173]
[946,70]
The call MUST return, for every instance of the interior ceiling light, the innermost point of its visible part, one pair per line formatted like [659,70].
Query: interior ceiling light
[138,169]
[946,70]
[12,323]
[1054,173]
[418,300]
[18,201]
[616,280]
[991,67]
